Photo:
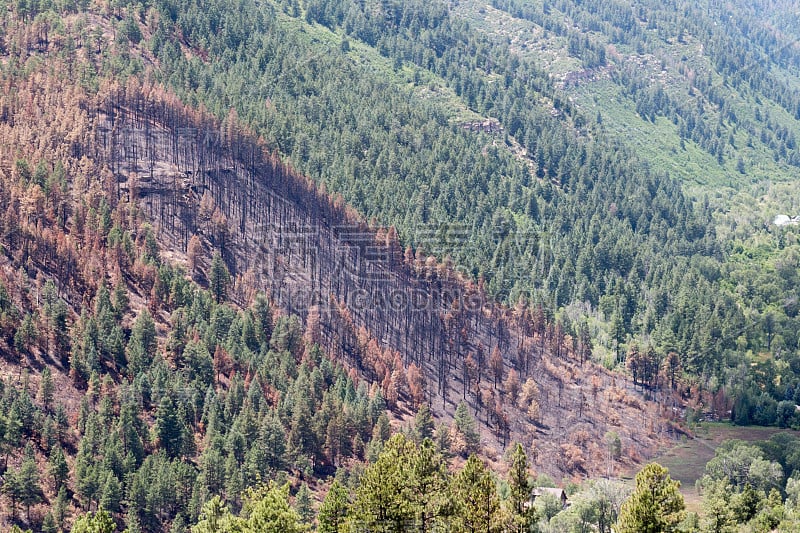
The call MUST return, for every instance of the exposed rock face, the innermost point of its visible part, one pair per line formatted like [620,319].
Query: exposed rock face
[277,233]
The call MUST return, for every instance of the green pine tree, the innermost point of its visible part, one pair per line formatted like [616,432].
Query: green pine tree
[262,318]
[216,517]
[49,523]
[381,502]
[99,522]
[111,494]
[656,504]
[520,491]
[60,507]
[302,504]
[12,489]
[218,278]
[466,425]
[477,506]
[26,334]
[30,490]
[121,300]
[427,486]
[268,511]
[168,429]
[57,467]
[46,389]
[142,344]
[423,423]
[333,511]
[719,515]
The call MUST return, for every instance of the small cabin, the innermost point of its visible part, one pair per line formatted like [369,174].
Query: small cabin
[559,494]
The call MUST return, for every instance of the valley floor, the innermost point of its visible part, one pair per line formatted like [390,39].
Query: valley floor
[687,461]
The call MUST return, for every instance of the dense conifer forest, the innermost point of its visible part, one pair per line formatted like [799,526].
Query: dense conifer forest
[342,266]
[601,238]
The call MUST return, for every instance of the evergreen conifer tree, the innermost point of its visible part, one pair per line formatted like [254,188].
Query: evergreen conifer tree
[333,512]
[656,504]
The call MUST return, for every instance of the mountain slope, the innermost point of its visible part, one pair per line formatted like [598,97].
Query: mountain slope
[590,224]
[585,217]
[724,75]
[146,136]
[164,393]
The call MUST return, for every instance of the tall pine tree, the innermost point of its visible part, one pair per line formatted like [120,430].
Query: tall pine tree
[333,512]
[519,499]
[218,278]
[475,498]
[656,505]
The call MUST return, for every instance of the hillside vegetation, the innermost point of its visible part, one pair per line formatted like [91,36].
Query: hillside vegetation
[145,371]
[556,209]
[244,244]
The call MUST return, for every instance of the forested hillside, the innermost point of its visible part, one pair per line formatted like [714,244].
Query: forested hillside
[145,369]
[708,92]
[244,243]
[549,204]
[725,76]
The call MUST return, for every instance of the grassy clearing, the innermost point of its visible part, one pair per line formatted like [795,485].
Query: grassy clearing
[524,37]
[422,83]
[672,67]
[687,461]
[755,196]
